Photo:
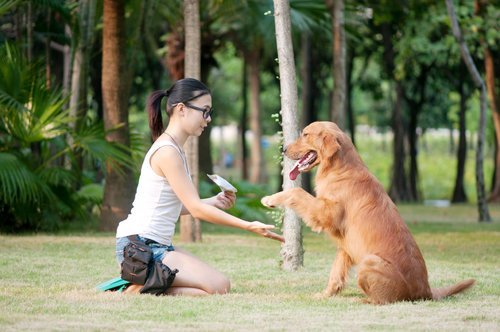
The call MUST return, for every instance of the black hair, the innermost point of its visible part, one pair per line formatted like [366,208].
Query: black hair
[182,91]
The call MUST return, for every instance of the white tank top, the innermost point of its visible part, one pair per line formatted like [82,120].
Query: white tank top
[156,207]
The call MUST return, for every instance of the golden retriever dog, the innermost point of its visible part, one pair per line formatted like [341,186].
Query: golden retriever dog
[352,206]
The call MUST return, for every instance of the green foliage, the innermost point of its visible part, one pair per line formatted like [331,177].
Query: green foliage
[36,192]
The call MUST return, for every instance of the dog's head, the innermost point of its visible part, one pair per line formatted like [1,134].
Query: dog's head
[319,142]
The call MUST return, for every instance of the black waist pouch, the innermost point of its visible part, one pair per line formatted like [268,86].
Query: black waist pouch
[160,277]
[136,259]
[140,268]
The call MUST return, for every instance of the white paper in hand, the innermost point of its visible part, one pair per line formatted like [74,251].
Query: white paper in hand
[222,183]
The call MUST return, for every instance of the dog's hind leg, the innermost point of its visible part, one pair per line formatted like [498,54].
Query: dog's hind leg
[338,275]
[381,280]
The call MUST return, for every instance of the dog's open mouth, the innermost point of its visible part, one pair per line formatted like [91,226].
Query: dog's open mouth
[302,164]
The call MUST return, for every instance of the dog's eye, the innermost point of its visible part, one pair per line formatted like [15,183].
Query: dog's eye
[305,134]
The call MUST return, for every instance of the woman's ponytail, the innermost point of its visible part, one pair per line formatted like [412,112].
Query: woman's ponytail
[154,111]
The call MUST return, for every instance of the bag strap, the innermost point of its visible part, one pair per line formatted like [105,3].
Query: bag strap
[134,238]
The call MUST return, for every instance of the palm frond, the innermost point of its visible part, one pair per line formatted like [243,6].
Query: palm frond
[307,15]
[31,111]
[18,184]
[6,5]
[91,193]
[57,176]
[91,139]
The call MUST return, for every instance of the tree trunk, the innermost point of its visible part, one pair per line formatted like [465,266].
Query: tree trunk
[398,190]
[413,147]
[484,214]
[204,144]
[459,195]
[119,188]
[190,229]
[336,9]
[29,28]
[256,160]
[489,64]
[306,96]
[292,252]
[349,86]
[243,124]
[80,76]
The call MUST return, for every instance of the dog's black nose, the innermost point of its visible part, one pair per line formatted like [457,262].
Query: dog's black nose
[284,149]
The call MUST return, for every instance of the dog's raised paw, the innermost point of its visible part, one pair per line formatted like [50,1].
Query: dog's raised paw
[267,202]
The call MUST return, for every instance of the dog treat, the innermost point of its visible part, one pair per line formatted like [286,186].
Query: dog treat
[223,184]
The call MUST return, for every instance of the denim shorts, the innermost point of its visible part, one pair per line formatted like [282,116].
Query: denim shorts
[159,250]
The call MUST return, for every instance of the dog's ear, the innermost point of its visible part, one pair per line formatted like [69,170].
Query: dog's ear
[330,144]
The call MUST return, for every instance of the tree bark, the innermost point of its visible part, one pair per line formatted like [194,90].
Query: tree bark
[398,190]
[205,162]
[484,214]
[190,228]
[459,195]
[490,62]
[243,123]
[119,189]
[306,95]
[292,252]
[415,107]
[257,171]
[78,100]
[349,87]
[336,9]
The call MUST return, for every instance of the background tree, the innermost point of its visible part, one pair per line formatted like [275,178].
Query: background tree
[488,15]
[387,23]
[292,252]
[338,108]
[190,227]
[478,81]
[119,187]
[84,31]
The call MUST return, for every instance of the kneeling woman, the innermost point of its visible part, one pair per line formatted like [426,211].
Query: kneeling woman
[165,191]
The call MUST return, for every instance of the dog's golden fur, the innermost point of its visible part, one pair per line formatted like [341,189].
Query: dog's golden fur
[352,206]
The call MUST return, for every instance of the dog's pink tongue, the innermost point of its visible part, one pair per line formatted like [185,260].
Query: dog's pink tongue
[294,172]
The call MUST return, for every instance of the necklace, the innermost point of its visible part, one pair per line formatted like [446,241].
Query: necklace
[175,142]
[181,152]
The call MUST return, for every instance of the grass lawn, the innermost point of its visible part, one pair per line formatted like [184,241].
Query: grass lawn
[47,283]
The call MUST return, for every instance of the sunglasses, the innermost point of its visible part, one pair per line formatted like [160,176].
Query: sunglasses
[207,110]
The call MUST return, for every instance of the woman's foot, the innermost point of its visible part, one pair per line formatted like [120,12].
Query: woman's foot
[133,289]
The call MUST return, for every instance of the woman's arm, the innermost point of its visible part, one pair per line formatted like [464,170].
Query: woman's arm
[167,162]
[223,200]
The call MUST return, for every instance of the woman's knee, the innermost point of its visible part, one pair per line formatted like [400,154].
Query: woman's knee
[220,285]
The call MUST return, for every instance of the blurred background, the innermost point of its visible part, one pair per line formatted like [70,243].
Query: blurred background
[410,105]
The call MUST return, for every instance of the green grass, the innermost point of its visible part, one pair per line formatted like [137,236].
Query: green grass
[47,283]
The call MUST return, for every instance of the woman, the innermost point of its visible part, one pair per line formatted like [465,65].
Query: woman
[165,191]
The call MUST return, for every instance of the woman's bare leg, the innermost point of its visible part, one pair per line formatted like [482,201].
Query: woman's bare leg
[195,277]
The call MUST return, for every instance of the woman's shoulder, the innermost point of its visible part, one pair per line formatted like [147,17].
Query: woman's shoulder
[164,149]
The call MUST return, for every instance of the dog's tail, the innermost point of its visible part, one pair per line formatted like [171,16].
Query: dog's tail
[439,293]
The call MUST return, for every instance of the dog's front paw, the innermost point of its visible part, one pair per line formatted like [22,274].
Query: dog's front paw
[268,201]
[322,295]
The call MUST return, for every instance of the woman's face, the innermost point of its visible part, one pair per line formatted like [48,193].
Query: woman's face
[195,119]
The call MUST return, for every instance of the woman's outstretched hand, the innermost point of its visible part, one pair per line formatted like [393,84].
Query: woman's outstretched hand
[264,230]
